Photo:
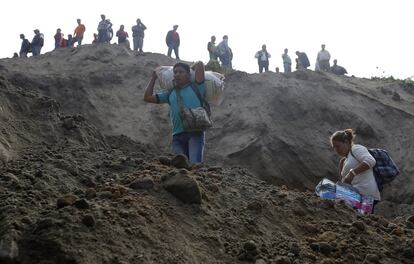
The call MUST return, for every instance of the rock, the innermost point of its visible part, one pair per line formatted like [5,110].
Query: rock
[410,219]
[10,177]
[90,193]
[81,204]
[371,258]
[322,247]
[69,123]
[66,200]
[105,195]
[396,96]
[180,161]
[282,260]
[88,182]
[255,206]
[260,261]
[38,173]
[44,224]
[328,236]
[88,220]
[183,187]
[250,245]
[164,160]
[146,183]
[359,225]
[9,250]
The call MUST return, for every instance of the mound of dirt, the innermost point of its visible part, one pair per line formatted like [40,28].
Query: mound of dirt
[273,124]
[95,183]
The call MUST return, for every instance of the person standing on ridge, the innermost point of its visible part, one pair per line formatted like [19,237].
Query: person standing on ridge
[173,42]
[37,42]
[25,47]
[211,47]
[58,38]
[104,30]
[138,35]
[79,32]
[323,59]
[224,53]
[287,62]
[184,94]
[262,57]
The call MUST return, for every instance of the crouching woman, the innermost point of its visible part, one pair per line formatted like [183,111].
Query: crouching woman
[355,166]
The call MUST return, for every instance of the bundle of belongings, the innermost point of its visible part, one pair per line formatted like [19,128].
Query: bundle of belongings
[214,83]
[327,189]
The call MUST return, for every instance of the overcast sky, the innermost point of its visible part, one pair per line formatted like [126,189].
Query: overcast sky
[368,37]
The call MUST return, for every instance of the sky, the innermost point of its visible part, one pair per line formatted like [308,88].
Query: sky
[367,37]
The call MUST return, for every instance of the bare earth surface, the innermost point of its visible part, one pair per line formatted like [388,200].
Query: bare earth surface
[86,173]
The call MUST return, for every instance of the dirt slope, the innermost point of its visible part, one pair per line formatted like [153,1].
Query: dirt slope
[276,125]
[72,193]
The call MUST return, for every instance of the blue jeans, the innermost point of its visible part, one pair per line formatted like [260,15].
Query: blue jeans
[190,144]
[36,50]
[172,47]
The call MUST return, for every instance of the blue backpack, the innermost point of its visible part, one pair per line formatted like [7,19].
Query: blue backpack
[385,169]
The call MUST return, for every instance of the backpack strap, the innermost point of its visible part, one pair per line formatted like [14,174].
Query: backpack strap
[202,100]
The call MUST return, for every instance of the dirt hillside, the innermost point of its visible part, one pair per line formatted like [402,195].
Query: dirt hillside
[87,176]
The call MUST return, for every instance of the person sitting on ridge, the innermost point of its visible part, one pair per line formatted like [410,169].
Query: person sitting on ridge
[338,70]
[188,143]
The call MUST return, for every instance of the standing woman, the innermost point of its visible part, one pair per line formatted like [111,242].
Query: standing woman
[355,166]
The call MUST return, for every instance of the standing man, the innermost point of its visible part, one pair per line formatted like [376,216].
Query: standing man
[287,62]
[262,57]
[224,52]
[37,42]
[303,61]
[25,48]
[211,47]
[104,30]
[79,31]
[173,42]
[187,143]
[138,35]
[323,59]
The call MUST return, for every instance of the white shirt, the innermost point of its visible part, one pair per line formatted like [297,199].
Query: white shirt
[364,182]
[323,55]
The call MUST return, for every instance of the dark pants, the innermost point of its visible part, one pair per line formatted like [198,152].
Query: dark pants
[287,67]
[175,48]
[263,65]
[102,35]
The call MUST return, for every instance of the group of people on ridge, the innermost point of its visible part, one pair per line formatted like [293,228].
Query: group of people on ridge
[302,61]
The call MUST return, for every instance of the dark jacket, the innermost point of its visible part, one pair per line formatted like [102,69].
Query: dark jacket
[303,59]
[25,46]
[169,39]
[259,61]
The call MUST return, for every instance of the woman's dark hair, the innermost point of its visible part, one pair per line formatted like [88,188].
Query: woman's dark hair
[186,67]
[343,136]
